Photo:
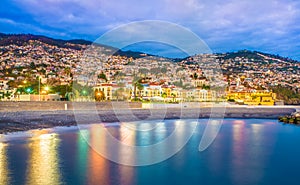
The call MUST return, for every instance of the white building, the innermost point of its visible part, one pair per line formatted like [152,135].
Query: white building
[36,97]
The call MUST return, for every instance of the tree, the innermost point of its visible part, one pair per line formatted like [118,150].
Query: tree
[206,87]
[173,96]
[136,85]
[102,76]
[32,65]
[61,89]
[164,95]
[289,96]
[7,95]
[195,76]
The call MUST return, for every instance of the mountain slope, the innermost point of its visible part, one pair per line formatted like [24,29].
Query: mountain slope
[256,56]
[23,39]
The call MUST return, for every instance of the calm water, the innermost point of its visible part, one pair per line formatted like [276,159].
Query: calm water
[252,151]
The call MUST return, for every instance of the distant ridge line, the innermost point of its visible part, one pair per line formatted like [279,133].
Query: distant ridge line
[21,39]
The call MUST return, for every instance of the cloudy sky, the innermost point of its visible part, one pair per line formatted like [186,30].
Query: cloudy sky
[271,26]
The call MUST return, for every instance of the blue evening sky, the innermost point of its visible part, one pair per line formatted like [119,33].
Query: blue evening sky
[270,26]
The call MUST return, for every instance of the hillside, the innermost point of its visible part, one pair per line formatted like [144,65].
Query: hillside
[24,56]
[24,39]
[255,56]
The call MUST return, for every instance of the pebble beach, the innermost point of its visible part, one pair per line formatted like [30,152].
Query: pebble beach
[16,120]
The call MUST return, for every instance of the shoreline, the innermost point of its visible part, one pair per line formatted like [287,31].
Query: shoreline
[14,121]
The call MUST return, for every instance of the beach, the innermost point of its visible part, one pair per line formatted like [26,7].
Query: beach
[14,119]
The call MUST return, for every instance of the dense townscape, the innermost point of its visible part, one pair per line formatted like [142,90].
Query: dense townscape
[36,68]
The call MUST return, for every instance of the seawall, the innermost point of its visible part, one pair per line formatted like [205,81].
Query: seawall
[8,106]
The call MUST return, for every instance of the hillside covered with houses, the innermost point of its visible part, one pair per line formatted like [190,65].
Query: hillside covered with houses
[38,68]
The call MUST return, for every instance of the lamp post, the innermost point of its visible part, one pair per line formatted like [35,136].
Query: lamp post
[47,88]
[28,90]
[39,89]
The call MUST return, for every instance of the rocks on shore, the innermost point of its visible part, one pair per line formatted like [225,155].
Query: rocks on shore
[294,118]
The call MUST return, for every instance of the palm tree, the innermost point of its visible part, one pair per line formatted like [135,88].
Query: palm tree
[137,85]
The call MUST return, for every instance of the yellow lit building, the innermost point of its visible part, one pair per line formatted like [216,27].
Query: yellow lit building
[104,90]
[253,98]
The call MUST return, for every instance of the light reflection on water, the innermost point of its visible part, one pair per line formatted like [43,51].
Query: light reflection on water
[43,163]
[98,171]
[4,171]
[249,151]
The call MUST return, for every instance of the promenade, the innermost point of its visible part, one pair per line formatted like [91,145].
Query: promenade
[42,115]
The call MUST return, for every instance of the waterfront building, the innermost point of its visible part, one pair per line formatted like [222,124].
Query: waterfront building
[104,91]
[36,97]
[256,97]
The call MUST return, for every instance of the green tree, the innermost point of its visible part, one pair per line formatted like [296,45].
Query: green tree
[206,87]
[137,85]
[32,65]
[164,96]
[173,96]
[102,76]
[195,76]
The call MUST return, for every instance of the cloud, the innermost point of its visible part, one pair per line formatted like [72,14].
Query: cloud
[196,14]
[155,31]
[221,23]
[24,28]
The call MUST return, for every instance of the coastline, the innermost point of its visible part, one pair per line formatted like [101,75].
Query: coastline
[13,121]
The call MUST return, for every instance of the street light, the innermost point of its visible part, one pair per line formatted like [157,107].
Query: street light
[28,90]
[47,88]
[39,88]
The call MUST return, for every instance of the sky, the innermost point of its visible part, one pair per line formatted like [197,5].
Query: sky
[270,26]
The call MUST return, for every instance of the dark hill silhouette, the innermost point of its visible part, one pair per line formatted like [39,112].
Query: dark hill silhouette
[23,39]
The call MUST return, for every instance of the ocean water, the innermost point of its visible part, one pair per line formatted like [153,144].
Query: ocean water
[245,151]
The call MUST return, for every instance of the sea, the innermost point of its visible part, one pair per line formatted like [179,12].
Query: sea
[244,151]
